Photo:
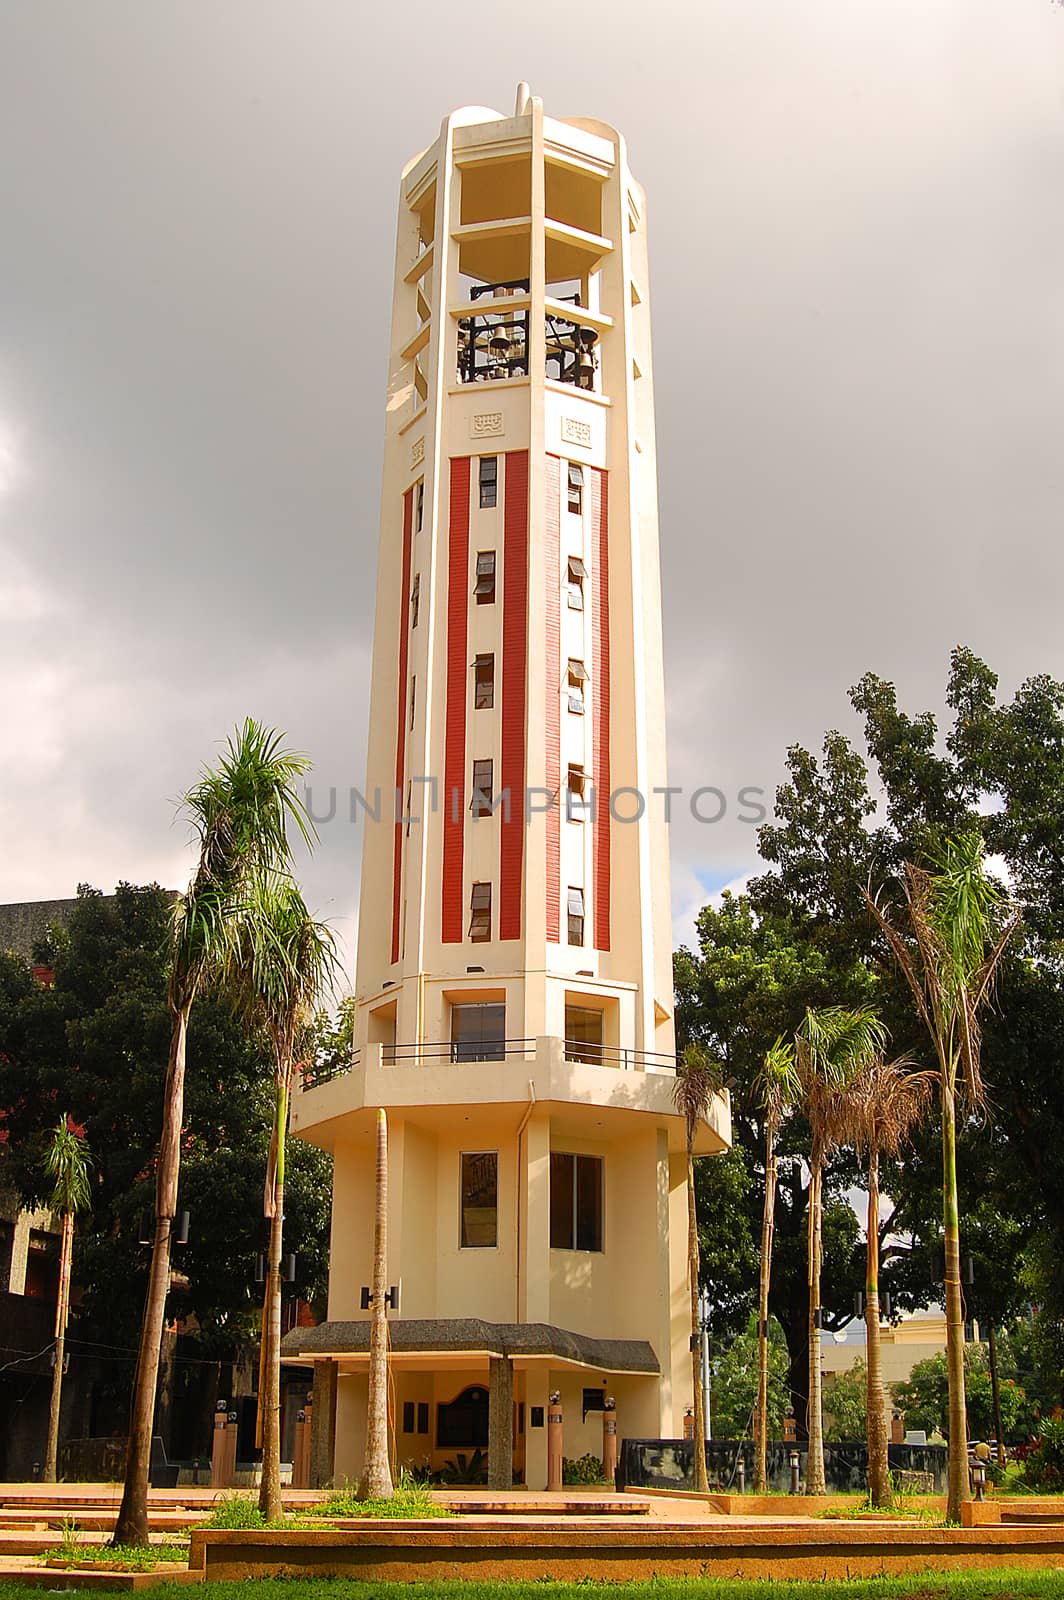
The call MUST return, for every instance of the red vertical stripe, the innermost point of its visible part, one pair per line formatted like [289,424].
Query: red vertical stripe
[457,693]
[553,667]
[400,736]
[514,675]
[600,697]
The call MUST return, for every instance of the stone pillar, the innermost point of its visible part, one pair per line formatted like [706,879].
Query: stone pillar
[301,1445]
[218,1446]
[500,1423]
[609,1440]
[554,1440]
[323,1425]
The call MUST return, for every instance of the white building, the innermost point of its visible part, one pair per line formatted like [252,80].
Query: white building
[514,980]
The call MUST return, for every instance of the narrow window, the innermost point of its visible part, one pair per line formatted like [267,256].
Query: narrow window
[480,1200]
[480,804]
[408,1416]
[419,505]
[575,794]
[484,683]
[415,600]
[479,921]
[576,487]
[575,584]
[413,698]
[576,916]
[575,1202]
[489,482]
[485,590]
[577,675]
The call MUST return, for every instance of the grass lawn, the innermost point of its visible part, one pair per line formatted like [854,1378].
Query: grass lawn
[1002,1585]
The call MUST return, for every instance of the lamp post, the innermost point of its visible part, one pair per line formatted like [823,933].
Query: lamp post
[703,1325]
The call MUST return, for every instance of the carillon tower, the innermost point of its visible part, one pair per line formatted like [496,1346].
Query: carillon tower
[514,983]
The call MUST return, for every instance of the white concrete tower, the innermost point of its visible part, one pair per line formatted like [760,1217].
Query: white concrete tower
[514,981]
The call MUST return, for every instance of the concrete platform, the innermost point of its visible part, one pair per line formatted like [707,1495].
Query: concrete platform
[590,1548]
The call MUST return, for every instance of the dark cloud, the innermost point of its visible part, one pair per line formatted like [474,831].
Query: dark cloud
[857,250]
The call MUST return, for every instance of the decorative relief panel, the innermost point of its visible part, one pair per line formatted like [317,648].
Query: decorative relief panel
[486,424]
[417,452]
[576,432]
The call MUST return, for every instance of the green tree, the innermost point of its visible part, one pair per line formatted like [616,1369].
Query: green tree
[846,1405]
[779,1089]
[283,961]
[376,1481]
[735,1382]
[241,813]
[67,1165]
[887,1102]
[833,1047]
[924,1397]
[956,926]
[697,1083]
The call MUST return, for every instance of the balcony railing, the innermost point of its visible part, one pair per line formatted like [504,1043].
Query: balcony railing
[603,1055]
[458,1051]
[463,1051]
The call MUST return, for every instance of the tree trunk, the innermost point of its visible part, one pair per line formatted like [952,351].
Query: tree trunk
[270,1398]
[62,1311]
[879,1492]
[815,1482]
[377,1474]
[765,1279]
[132,1525]
[995,1390]
[701,1474]
[959,1487]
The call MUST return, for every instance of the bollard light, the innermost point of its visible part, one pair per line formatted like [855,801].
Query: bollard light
[740,1476]
[795,1468]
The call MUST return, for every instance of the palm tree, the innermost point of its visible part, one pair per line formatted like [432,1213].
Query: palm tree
[959,923]
[778,1089]
[833,1046]
[886,1104]
[376,1481]
[241,813]
[67,1162]
[697,1083]
[282,964]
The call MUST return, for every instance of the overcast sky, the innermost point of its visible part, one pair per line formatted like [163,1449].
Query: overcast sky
[856,217]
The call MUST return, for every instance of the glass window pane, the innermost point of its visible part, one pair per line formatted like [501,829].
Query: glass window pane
[480,1200]
[478,1032]
[561,1201]
[588,1203]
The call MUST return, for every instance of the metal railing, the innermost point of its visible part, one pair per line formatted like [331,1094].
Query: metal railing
[601,1055]
[314,1073]
[459,1051]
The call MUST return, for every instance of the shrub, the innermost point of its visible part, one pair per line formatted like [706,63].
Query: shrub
[585,1469]
[1044,1466]
[235,1511]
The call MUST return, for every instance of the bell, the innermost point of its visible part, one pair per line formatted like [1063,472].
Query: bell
[499,344]
[584,341]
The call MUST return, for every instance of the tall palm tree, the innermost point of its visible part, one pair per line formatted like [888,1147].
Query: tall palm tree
[282,963]
[376,1481]
[832,1047]
[67,1163]
[241,812]
[697,1083]
[777,1089]
[957,923]
[886,1104]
